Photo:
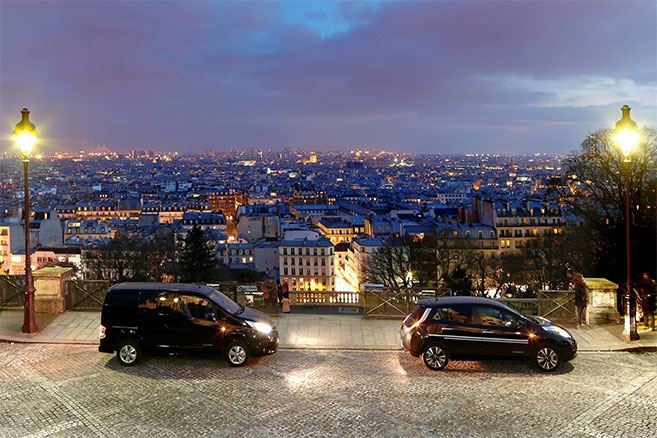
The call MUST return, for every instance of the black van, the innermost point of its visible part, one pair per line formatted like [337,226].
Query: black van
[169,317]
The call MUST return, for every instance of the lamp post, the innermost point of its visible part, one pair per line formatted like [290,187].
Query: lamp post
[26,133]
[626,133]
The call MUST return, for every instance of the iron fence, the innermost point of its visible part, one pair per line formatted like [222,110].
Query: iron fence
[385,302]
[526,306]
[557,305]
[87,294]
[11,290]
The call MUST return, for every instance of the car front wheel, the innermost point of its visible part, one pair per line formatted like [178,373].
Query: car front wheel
[128,353]
[237,354]
[435,356]
[547,358]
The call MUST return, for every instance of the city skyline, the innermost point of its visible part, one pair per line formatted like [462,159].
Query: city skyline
[420,77]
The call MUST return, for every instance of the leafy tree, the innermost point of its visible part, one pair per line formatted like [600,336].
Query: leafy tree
[197,259]
[596,191]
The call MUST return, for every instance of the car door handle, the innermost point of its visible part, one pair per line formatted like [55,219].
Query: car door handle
[488,332]
[447,329]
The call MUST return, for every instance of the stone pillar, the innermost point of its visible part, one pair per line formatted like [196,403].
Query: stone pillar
[50,295]
[602,301]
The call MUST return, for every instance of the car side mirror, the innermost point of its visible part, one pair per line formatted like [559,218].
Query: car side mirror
[512,324]
[213,317]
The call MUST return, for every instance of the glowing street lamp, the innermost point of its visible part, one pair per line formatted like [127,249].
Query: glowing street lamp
[626,134]
[25,134]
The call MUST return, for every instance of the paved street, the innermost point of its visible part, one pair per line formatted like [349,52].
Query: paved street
[72,390]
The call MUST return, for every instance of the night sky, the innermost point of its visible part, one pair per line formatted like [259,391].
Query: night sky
[431,76]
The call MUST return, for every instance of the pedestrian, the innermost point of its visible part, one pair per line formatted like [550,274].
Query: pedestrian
[269,294]
[648,297]
[581,298]
[279,292]
[286,298]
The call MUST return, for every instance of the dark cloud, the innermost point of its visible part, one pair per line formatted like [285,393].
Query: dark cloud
[505,76]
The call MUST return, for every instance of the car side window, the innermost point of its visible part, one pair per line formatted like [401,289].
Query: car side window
[161,303]
[461,314]
[493,316]
[198,308]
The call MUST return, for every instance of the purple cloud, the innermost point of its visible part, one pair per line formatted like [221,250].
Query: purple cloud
[502,76]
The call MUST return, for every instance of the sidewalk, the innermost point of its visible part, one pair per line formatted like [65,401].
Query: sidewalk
[298,331]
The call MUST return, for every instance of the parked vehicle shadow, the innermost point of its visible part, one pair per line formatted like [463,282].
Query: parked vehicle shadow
[184,366]
[414,366]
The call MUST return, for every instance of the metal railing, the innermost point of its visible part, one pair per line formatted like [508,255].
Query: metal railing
[87,294]
[385,302]
[557,304]
[377,302]
[526,306]
[11,290]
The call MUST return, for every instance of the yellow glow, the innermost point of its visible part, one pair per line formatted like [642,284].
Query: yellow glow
[25,141]
[627,139]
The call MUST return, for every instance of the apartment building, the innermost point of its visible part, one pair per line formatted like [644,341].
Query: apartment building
[357,260]
[517,223]
[336,230]
[307,265]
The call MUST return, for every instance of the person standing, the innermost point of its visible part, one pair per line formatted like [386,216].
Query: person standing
[581,298]
[286,298]
[279,292]
[648,295]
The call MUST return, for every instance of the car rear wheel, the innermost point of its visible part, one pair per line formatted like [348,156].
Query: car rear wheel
[128,353]
[435,356]
[547,358]
[237,354]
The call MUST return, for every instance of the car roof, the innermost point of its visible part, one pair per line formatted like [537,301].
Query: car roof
[171,287]
[445,301]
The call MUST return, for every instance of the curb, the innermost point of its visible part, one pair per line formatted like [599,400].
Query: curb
[637,349]
[23,341]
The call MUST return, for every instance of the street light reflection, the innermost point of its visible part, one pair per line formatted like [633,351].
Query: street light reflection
[300,379]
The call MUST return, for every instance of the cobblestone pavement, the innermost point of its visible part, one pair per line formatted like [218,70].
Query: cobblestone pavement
[68,391]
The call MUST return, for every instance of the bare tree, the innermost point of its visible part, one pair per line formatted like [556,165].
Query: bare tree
[390,265]
[123,258]
[595,190]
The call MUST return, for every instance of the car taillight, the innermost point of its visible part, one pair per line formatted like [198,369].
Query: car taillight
[422,319]
[101,332]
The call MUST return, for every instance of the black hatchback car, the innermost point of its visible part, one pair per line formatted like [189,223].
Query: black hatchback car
[168,317]
[477,328]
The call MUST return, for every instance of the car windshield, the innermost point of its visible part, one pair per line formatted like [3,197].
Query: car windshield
[224,302]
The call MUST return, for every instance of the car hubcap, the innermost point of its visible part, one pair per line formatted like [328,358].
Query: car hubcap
[237,354]
[547,358]
[435,357]
[128,353]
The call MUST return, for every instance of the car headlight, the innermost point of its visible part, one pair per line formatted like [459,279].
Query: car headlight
[557,330]
[262,327]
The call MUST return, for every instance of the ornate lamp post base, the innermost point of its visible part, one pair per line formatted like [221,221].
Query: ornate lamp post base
[29,319]
[629,330]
